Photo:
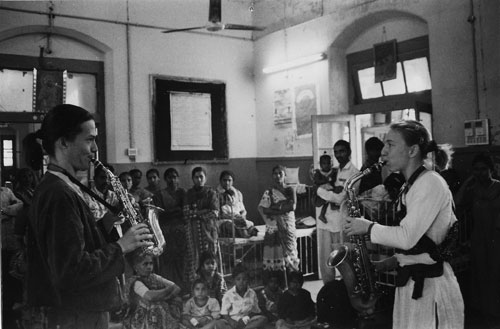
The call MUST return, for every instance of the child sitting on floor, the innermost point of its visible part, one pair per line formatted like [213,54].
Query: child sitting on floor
[201,311]
[296,308]
[269,297]
[240,307]
[207,270]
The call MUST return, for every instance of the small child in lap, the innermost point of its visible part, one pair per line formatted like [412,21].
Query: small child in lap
[240,307]
[296,308]
[201,311]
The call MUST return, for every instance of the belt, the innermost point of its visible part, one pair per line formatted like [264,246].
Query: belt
[418,273]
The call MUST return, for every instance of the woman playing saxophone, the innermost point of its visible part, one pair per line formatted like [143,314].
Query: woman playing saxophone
[427,293]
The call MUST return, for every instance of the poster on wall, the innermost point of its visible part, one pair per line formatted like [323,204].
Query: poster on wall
[283,103]
[385,60]
[306,98]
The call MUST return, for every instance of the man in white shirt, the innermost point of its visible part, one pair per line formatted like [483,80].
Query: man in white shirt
[329,231]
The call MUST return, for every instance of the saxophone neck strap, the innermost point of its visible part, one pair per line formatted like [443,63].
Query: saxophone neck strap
[85,188]
[400,206]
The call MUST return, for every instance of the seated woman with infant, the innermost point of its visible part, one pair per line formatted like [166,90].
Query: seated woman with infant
[232,209]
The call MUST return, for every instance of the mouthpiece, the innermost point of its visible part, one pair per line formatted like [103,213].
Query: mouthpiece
[353,179]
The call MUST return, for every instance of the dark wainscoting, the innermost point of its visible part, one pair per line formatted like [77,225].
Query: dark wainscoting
[253,175]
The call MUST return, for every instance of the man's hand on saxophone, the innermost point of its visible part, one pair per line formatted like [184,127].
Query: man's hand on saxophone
[357,226]
[137,236]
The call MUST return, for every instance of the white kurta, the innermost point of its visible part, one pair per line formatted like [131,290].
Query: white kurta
[429,211]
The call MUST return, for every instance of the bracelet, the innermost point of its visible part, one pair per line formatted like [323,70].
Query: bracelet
[369,232]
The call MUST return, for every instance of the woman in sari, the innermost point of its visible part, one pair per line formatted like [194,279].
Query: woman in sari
[232,209]
[171,199]
[153,301]
[277,209]
[201,211]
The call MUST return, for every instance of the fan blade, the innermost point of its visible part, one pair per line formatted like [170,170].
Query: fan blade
[185,29]
[242,27]
[214,11]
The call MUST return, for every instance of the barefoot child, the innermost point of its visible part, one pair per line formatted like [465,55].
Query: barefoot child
[240,306]
[201,311]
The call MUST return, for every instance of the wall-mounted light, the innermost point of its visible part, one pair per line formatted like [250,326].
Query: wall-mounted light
[294,63]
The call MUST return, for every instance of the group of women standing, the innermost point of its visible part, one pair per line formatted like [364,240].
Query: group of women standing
[192,221]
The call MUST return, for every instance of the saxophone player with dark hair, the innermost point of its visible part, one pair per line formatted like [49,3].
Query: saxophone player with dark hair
[72,272]
[427,293]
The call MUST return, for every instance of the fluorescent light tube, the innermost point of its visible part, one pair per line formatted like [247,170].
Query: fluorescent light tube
[295,63]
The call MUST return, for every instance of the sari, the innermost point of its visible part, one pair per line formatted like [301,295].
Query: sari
[201,212]
[171,261]
[143,314]
[280,241]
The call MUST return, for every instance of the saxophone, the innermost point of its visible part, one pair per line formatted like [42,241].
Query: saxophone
[352,259]
[134,216]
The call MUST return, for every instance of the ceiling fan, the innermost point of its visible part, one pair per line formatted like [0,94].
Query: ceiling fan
[214,22]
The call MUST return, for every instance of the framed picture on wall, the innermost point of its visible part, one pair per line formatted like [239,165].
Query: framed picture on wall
[50,90]
[385,58]
[306,104]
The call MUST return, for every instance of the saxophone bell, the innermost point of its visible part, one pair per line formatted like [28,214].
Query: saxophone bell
[337,256]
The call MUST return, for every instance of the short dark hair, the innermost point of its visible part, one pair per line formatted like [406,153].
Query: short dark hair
[198,169]
[280,168]
[375,144]
[62,121]
[226,173]
[296,276]
[325,157]
[123,174]
[170,171]
[153,170]
[198,281]
[135,171]
[343,143]
[205,255]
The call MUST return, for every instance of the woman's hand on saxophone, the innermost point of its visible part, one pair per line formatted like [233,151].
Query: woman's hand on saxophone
[356,226]
[137,236]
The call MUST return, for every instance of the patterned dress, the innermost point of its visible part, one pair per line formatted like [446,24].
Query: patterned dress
[201,230]
[144,314]
[171,262]
[280,242]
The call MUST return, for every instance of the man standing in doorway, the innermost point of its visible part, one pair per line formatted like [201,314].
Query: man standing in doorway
[329,230]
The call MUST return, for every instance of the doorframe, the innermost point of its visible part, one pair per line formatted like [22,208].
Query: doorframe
[326,118]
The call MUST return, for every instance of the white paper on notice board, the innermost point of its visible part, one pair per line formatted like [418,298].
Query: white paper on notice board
[191,121]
